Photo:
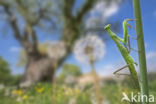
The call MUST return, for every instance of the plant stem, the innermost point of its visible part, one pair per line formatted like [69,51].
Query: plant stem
[54,83]
[141,50]
[96,83]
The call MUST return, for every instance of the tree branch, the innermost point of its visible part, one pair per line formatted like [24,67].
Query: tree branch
[85,8]
[13,23]
[68,7]
[29,31]
[4,4]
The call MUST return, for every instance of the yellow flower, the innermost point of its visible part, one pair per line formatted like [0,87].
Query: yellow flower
[77,91]
[69,91]
[24,97]
[17,92]
[40,90]
[59,95]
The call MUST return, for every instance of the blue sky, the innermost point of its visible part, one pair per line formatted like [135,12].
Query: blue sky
[112,60]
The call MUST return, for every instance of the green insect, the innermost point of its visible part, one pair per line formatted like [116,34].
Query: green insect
[125,51]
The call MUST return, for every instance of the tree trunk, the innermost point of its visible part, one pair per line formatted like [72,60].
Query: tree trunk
[41,68]
[38,68]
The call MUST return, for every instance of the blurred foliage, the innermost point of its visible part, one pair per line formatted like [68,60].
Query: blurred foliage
[152,76]
[22,59]
[15,80]
[6,76]
[5,73]
[42,48]
[69,70]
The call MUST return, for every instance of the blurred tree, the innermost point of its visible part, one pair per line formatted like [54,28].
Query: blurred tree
[69,70]
[5,74]
[26,17]
[42,47]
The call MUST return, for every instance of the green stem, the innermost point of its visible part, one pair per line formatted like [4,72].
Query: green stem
[96,81]
[54,84]
[141,50]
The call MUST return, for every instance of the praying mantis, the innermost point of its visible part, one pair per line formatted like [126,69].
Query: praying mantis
[122,44]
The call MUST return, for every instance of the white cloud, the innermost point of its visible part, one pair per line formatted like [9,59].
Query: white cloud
[106,70]
[111,10]
[151,55]
[101,12]
[15,49]
[151,60]
[109,67]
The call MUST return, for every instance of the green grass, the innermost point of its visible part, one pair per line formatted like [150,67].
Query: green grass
[42,94]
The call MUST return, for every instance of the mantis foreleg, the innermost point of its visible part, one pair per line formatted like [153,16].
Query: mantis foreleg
[124,67]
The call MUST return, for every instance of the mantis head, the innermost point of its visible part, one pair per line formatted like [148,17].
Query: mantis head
[107,26]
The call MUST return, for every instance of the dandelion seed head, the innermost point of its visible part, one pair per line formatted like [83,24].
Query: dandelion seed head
[91,44]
